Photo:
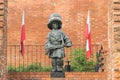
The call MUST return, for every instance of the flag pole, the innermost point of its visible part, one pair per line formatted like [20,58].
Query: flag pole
[24,29]
[88,35]
[22,40]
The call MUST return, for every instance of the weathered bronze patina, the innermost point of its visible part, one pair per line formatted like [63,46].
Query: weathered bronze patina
[56,41]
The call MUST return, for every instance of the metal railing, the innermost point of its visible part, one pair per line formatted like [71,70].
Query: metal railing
[35,55]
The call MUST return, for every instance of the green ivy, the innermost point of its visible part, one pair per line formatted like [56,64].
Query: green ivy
[11,69]
[35,67]
[79,61]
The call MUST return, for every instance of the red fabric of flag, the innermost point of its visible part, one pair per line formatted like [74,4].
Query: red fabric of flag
[88,38]
[22,36]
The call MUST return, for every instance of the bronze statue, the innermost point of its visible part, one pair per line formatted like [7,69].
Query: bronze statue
[56,41]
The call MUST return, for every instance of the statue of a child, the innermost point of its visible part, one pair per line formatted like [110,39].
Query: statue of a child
[56,41]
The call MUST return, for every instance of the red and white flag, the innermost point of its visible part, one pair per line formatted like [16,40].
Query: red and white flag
[88,39]
[22,35]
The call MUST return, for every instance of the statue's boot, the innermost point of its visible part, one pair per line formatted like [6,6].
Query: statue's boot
[59,68]
[59,64]
[54,69]
[54,65]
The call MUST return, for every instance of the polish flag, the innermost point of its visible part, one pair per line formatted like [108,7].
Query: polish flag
[22,35]
[88,39]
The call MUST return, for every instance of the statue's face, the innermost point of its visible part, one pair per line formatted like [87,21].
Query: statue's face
[55,25]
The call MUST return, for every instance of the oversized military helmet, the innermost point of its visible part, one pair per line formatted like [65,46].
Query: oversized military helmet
[54,17]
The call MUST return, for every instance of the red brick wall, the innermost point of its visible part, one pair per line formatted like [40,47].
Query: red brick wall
[68,76]
[74,15]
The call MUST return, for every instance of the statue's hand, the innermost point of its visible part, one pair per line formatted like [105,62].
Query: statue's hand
[68,44]
[58,46]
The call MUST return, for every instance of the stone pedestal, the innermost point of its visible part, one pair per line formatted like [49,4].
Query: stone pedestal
[57,74]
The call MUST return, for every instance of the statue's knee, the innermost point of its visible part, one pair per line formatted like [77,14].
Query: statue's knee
[54,61]
[59,62]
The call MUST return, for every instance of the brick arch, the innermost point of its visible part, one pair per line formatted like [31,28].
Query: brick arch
[113,58]
[3,39]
